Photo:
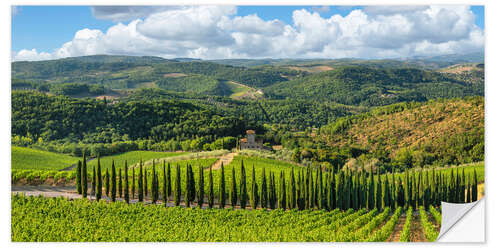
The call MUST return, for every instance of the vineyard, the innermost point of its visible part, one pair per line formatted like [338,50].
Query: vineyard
[57,219]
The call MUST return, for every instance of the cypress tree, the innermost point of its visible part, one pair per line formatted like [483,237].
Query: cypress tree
[177,196]
[457,188]
[243,188]
[154,185]
[164,185]
[407,188]
[133,183]
[362,189]
[127,198]
[145,183]
[306,189]
[332,191]
[187,190]
[99,180]
[120,183]
[140,185]
[253,189]
[371,191]
[310,191]
[192,185]
[474,187]
[468,199]
[92,190]
[394,192]
[292,192]
[379,193]
[414,191]
[340,191]
[201,187]
[169,181]
[263,190]
[210,189]
[319,184]
[347,190]
[387,192]
[84,177]
[315,189]
[113,181]
[222,188]
[272,191]
[107,182]
[355,192]
[79,177]
[400,193]
[462,187]
[233,191]
[282,203]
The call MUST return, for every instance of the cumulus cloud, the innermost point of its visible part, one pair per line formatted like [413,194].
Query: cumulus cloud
[210,32]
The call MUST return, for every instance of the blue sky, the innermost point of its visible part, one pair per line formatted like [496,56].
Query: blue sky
[47,28]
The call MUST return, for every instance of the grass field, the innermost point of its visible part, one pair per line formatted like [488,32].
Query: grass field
[43,219]
[27,158]
[132,158]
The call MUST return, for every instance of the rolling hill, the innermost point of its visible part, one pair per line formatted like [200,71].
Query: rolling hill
[446,131]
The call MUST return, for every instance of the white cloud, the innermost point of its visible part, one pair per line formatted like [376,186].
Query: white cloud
[30,55]
[127,13]
[217,32]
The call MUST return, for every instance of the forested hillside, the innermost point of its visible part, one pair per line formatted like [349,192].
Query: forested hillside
[403,135]
[374,87]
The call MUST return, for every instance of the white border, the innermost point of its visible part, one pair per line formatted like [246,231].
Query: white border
[492,11]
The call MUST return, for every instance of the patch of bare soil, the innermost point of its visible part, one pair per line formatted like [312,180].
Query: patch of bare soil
[417,231]
[397,229]
[174,75]
[226,159]
[61,182]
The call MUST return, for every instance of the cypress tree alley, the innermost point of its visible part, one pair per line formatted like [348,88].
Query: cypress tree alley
[210,189]
[84,177]
[233,193]
[201,187]
[177,194]
[474,187]
[187,189]
[120,183]
[92,190]
[113,181]
[222,188]
[99,180]
[79,177]
[263,190]
[243,187]
[140,190]
[126,196]
[254,199]
[107,182]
